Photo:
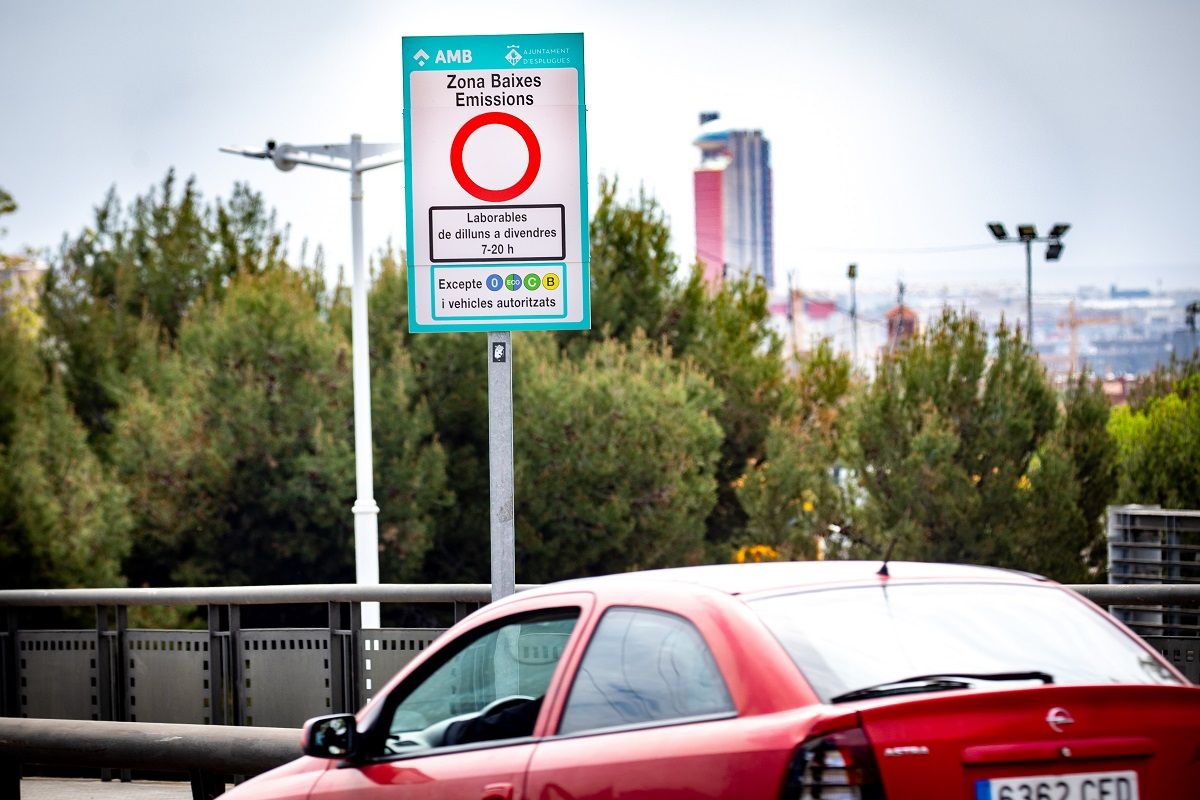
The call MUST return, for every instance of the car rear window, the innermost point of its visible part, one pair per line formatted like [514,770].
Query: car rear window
[849,638]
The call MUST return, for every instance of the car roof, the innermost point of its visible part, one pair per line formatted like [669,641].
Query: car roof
[765,578]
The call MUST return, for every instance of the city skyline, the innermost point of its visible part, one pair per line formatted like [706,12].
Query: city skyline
[898,131]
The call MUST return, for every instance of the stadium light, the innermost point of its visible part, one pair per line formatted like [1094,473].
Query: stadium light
[1027,235]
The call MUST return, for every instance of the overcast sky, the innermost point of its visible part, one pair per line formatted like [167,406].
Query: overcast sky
[896,127]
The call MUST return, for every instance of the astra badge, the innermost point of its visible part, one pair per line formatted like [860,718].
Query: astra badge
[907,750]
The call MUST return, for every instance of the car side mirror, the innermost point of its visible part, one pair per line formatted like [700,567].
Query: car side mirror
[334,736]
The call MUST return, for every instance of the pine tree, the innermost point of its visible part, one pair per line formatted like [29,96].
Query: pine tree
[240,454]
[964,456]
[63,520]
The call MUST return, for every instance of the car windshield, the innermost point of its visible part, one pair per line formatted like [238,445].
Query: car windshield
[852,638]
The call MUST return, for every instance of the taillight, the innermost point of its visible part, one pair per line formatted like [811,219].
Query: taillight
[836,766]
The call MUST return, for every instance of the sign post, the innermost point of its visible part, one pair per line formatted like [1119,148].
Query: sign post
[496,169]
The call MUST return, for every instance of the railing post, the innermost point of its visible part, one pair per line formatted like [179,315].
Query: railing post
[104,676]
[219,667]
[121,675]
[464,608]
[225,673]
[105,691]
[10,778]
[345,643]
[355,641]
[121,660]
[10,668]
[235,664]
[206,785]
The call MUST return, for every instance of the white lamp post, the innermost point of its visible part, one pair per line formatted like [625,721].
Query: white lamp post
[355,158]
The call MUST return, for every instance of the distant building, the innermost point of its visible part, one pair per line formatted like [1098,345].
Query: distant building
[734,229]
[1116,388]
[20,278]
[901,325]
[1127,294]
[1130,355]
[1185,343]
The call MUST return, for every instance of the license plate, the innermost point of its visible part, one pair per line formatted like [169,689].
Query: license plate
[1080,786]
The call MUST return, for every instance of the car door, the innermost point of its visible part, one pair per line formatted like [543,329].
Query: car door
[463,724]
[649,714]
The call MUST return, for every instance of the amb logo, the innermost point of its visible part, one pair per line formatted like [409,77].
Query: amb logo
[443,57]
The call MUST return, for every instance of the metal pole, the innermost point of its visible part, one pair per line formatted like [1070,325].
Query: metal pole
[500,463]
[366,512]
[1029,290]
[853,273]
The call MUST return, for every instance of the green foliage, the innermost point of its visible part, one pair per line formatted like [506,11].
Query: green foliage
[582,505]
[411,483]
[215,379]
[963,455]
[1162,381]
[131,278]
[632,267]
[7,206]
[614,460]
[63,520]
[448,372]
[240,456]
[1093,454]
[726,333]
[723,330]
[1159,448]
[792,496]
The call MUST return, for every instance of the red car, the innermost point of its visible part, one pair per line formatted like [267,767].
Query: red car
[788,680]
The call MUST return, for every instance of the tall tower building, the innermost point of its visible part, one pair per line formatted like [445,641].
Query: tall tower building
[734,233]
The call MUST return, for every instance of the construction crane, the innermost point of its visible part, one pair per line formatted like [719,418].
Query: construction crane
[1074,321]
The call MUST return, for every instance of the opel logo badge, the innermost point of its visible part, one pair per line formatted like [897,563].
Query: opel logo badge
[1057,717]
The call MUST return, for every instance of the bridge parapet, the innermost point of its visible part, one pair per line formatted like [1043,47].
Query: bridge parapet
[225,674]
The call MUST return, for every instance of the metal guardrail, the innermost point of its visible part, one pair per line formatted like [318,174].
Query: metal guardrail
[209,754]
[227,674]
[1135,601]
[116,697]
[1133,594]
[255,595]
[1144,594]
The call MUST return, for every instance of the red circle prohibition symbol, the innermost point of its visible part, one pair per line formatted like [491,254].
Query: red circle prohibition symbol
[509,121]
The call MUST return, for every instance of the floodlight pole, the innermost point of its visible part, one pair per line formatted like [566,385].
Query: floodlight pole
[1029,289]
[1028,235]
[355,158]
[852,274]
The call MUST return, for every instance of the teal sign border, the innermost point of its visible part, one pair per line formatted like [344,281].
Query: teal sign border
[488,53]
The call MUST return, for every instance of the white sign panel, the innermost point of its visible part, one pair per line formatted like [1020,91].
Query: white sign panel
[497,193]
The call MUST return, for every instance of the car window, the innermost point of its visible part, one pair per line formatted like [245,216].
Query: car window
[847,639]
[644,666]
[490,687]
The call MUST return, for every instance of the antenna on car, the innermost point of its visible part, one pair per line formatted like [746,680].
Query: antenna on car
[887,555]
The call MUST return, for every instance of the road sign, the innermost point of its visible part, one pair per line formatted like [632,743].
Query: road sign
[496,169]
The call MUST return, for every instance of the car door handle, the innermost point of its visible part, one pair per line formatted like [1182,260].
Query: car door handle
[498,791]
